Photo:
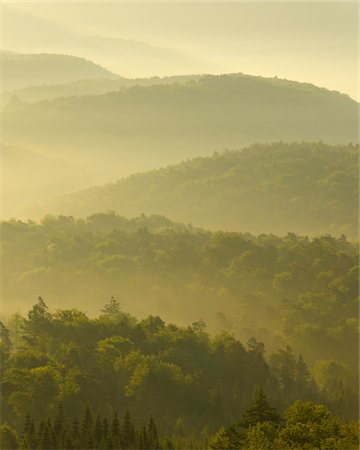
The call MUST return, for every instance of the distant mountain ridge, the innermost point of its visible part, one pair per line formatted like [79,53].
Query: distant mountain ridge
[21,70]
[307,188]
[29,33]
[144,128]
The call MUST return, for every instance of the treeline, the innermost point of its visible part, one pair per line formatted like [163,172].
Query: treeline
[282,290]
[260,427]
[101,85]
[88,432]
[191,383]
[306,188]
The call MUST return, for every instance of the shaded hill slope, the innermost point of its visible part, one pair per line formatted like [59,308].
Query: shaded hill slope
[300,187]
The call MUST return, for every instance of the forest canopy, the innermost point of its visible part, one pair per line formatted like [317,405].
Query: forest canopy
[306,188]
[192,384]
[289,289]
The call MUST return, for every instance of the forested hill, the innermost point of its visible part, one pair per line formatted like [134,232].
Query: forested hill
[147,127]
[280,290]
[21,70]
[307,188]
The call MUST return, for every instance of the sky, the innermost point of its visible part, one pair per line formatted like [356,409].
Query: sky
[308,41]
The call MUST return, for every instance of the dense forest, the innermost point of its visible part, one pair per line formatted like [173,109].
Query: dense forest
[290,289]
[307,188]
[191,383]
[179,255]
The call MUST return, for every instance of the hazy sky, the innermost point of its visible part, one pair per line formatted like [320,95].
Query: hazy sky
[314,42]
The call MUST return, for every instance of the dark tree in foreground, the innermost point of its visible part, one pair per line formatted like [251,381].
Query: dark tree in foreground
[259,411]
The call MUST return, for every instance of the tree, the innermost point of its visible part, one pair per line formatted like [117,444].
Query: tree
[259,411]
[112,308]
[87,429]
[127,432]
[229,438]
[152,435]
[261,436]
[115,435]
[29,436]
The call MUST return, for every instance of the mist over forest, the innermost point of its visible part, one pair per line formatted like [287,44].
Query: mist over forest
[179,226]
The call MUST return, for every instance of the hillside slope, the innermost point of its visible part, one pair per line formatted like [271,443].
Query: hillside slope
[299,187]
[146,127]
[21,70]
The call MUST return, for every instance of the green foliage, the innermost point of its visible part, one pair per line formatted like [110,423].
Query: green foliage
[306,188]
[191,382]
[229,280]
[185,378]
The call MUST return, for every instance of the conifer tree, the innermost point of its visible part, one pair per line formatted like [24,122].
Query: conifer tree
[87,430]
[45,441]
[29,437]
[127,432]
[98,432]
[153,438]
[105,428]
[59,428]
[75,433]
[115,432]
[259,411]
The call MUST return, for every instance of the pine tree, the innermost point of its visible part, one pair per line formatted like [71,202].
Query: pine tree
[259,411]
[98,432]
[127,432]
[87,440]
[115,432]
[45,441]
[302,375]
[75,433]
[59,428]
[144,441]
[105,427]
[112,308]
[29,437]
[153,438]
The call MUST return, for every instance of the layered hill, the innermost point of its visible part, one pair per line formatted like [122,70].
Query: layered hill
[25,32]
[21,70]
[96,86]
[146,127]
[308,188]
